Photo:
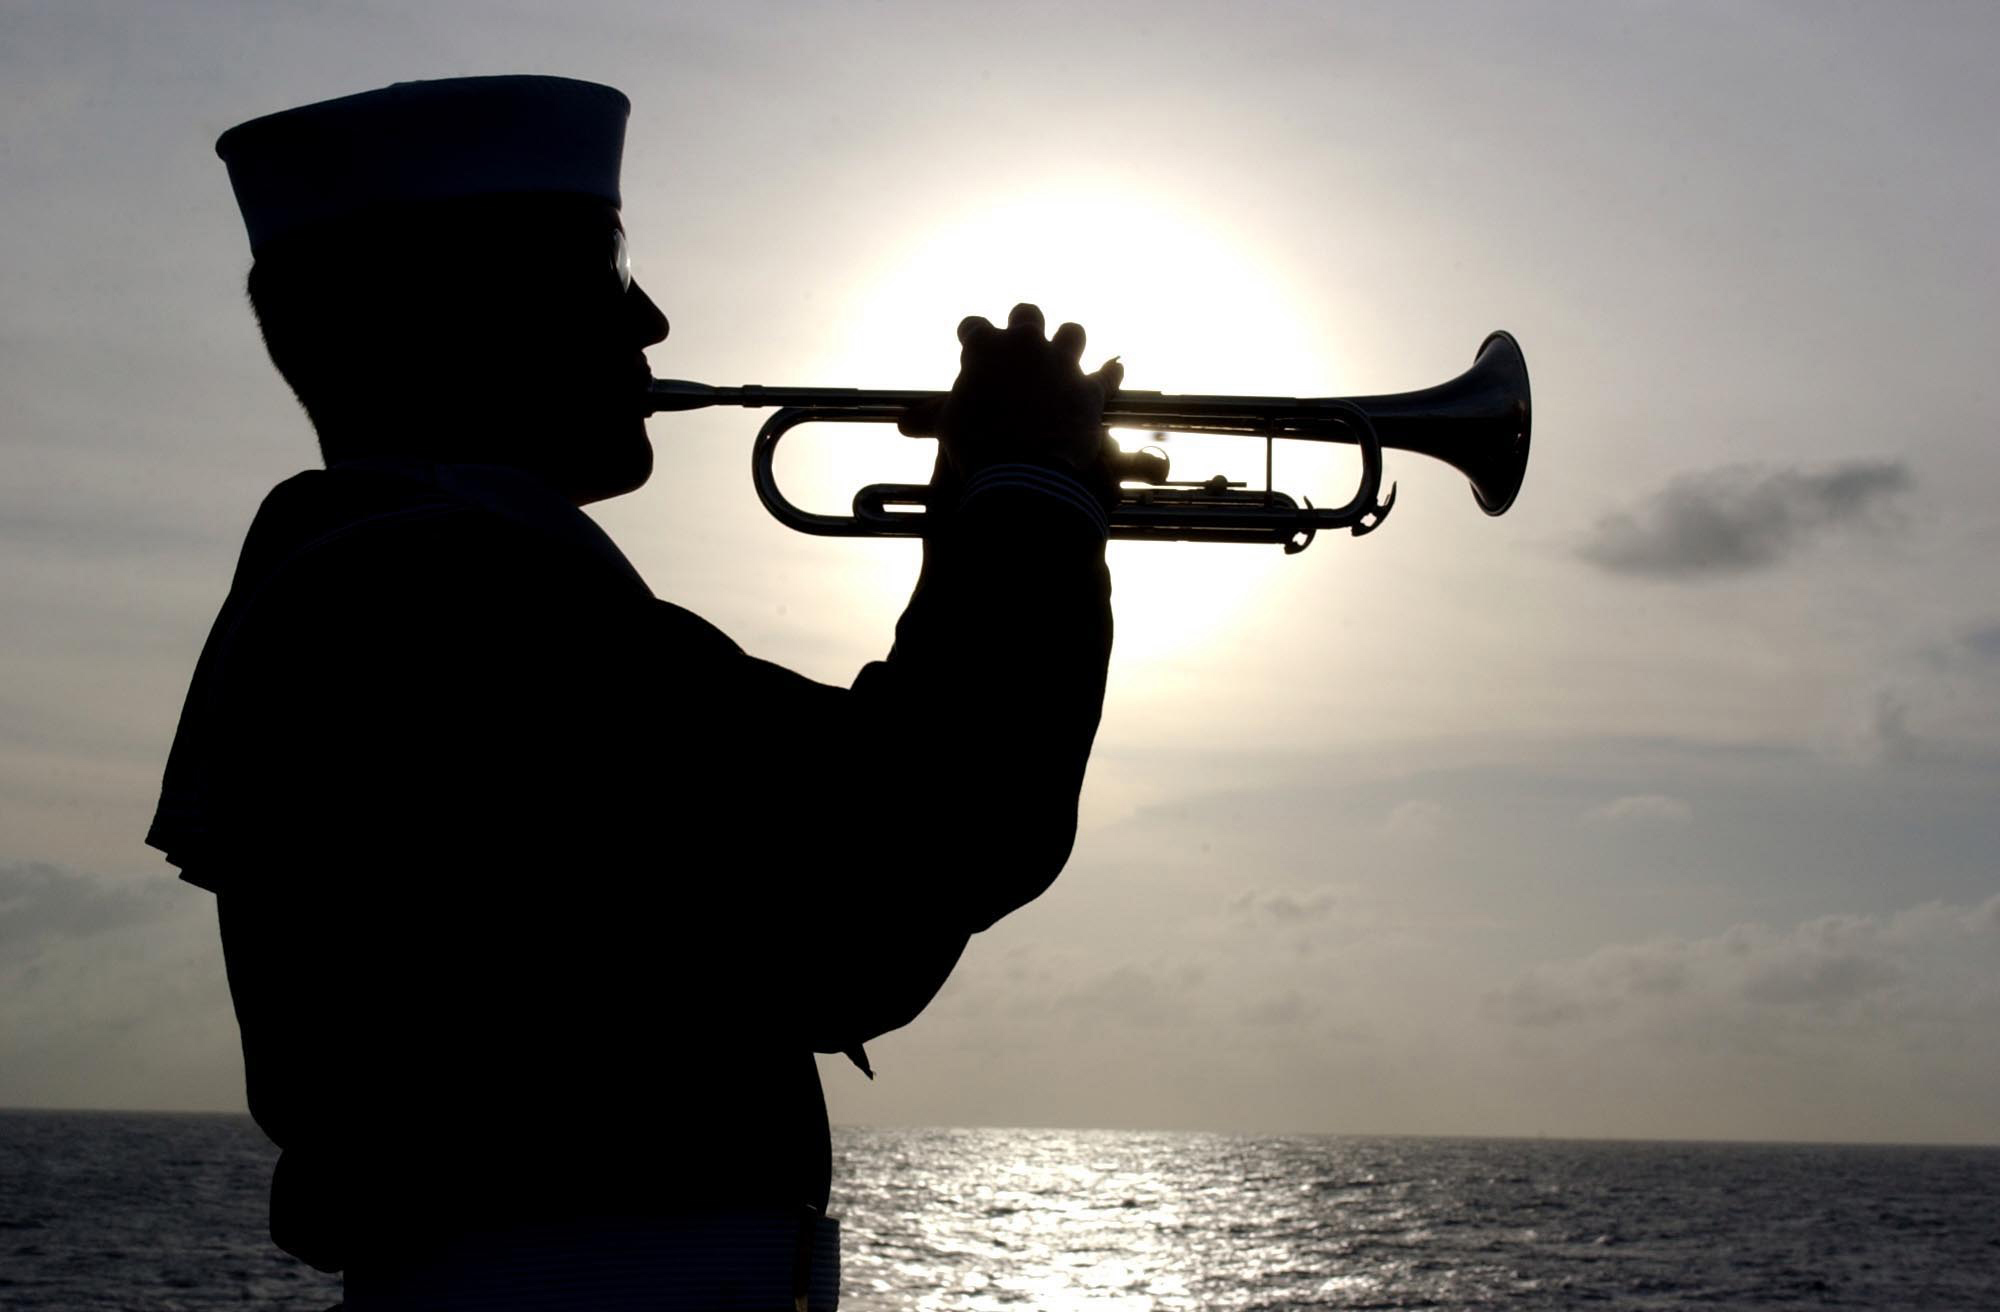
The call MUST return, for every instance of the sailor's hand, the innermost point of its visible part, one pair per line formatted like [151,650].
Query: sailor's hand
[1023,398]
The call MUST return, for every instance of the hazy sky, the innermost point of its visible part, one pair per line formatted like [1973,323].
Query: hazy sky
[1668,804]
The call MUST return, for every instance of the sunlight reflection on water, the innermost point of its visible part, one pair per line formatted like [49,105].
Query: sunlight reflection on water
[1009,1219]
[1054,1220]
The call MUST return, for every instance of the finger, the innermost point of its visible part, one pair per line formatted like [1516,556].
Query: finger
[1068,341]
[1110,375]
[922,418]
[972,327]
[1137,466]
[1027,318]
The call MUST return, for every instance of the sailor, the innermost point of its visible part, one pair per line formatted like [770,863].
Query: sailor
[537,893]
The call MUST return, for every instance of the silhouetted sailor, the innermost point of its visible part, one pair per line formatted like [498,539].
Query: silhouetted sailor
[537,893]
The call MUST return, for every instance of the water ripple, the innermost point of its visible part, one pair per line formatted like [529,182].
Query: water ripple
[991,1219]
[167,1212]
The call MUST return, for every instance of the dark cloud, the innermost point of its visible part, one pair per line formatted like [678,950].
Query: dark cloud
[1828,979]
[1984,643]
[1290,1008]
[1737,519]
[40,901]
[112,993]
[1641,809]
[1536,1001]
[1860,972]
[100,529]
[1282,907]
[1131,995]
[1889,728]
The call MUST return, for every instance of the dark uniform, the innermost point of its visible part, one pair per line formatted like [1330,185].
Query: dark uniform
[538,894]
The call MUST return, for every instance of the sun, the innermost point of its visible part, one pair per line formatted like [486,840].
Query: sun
[1185,306]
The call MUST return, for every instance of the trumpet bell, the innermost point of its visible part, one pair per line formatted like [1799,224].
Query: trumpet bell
[1478,423]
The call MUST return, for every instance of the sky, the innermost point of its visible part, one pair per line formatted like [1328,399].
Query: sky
[1662,806]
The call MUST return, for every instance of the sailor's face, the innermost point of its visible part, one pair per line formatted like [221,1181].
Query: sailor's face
[607,452]
[570,347]
[612,452]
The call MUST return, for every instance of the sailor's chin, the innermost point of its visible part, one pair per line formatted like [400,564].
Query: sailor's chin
[616,472]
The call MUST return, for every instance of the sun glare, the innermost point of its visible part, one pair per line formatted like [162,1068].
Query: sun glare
[1186,307]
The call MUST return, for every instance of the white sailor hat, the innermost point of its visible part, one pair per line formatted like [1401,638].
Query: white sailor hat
[418,141]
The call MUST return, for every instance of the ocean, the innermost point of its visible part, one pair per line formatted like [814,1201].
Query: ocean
[156,1211]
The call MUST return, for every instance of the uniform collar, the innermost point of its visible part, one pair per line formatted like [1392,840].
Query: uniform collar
[512,494]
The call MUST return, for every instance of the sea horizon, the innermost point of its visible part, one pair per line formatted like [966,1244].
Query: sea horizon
[1439,1135]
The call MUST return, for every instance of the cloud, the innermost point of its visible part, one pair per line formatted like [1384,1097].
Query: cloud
[1288,1009]
[1985,643]
[40,901]
[1889,731]
[1282,907]
[112,993]
[1417,819]
[1753,986]
[1974,649]
[1129,995]
[1642,809]
[1737,519]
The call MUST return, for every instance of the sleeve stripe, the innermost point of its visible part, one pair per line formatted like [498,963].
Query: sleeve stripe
[1040,479]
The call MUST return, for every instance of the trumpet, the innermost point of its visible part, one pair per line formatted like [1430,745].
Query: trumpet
[1477,423]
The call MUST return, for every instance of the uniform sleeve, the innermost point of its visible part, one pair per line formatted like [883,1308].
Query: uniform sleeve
[532,794]
[940,792]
